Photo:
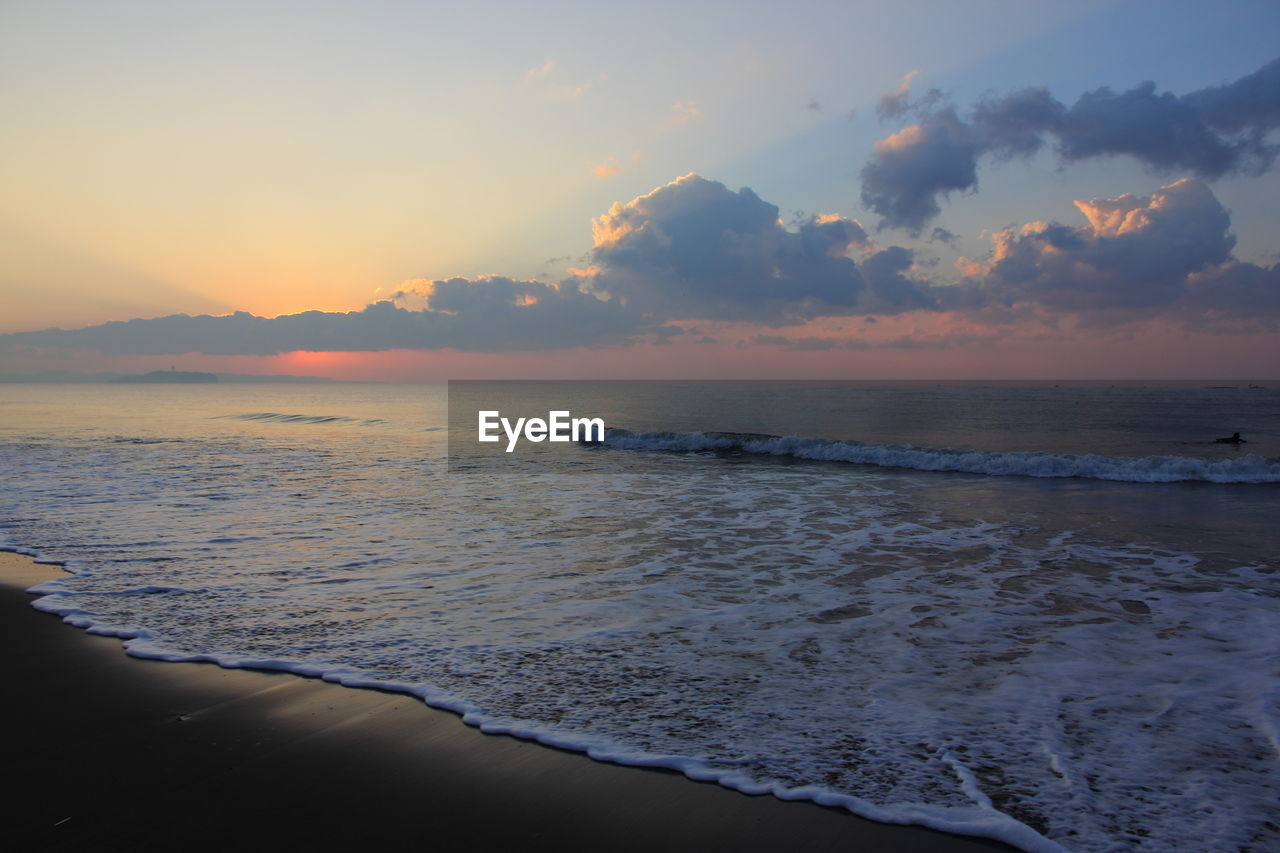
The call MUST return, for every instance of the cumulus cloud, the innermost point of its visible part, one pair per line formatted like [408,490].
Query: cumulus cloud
[1165,254]
[1233,295]
[889,289]
[1209,133]
[696,249]
[909,170]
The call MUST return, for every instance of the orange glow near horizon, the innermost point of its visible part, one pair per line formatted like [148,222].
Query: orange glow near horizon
[309,363]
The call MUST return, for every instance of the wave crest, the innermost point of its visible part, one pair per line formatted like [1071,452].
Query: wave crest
[1134,469]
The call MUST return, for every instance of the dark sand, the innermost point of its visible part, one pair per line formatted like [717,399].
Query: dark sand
[112,752]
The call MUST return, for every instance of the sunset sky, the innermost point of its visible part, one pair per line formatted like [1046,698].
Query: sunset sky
[423,191]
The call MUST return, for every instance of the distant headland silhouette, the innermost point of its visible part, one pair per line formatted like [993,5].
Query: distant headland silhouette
[186,377]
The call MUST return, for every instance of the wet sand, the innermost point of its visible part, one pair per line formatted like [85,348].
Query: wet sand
[112,752]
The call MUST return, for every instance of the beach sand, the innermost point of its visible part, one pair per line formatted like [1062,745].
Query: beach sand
[112,752]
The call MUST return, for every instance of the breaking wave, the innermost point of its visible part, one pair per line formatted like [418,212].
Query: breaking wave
[1248,468]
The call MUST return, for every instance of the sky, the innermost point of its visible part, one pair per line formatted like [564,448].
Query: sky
[417,191]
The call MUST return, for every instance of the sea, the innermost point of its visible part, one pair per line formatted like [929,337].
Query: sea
[1046,613]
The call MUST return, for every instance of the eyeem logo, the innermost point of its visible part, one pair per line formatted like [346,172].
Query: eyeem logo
[559,426]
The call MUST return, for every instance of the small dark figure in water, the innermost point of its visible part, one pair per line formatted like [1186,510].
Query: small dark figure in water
[1234,439]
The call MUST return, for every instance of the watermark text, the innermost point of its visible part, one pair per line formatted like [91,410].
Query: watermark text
[558,426]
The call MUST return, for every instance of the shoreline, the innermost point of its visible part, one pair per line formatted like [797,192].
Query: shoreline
[117,752]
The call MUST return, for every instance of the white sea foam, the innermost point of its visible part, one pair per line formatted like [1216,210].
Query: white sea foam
[1247,468]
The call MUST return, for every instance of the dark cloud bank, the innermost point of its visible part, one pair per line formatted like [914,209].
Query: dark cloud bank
[694,250]
[1209,133]
[480,315]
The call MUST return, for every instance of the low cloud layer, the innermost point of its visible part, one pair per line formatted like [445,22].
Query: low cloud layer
[1209,133]
[694,250]
[471,315]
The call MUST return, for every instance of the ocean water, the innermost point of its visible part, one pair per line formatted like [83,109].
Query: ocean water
[1048,614]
